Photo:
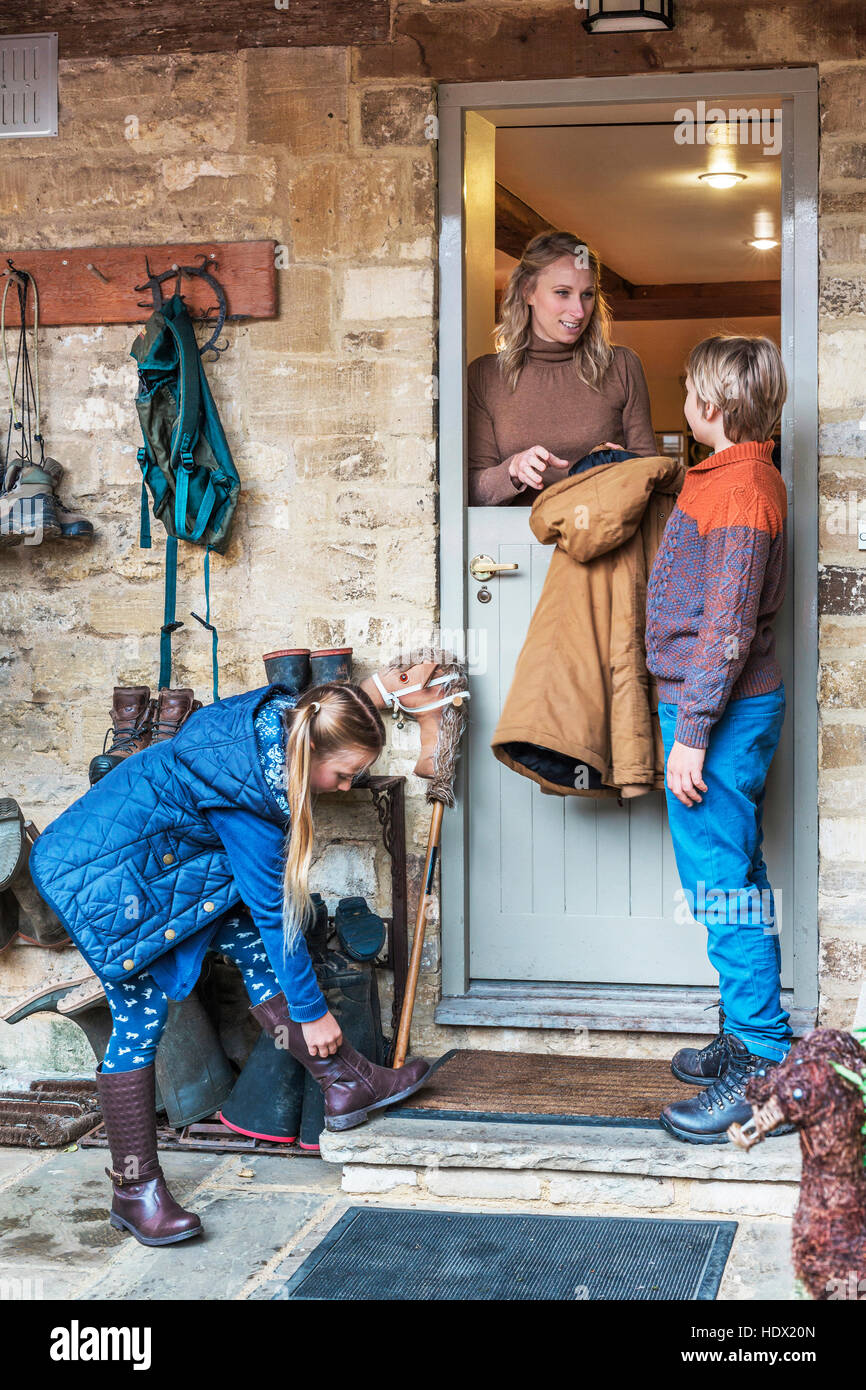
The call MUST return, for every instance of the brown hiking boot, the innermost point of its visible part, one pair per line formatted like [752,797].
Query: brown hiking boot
[352,1086]
[142,1202]
[173,708]
[131,717]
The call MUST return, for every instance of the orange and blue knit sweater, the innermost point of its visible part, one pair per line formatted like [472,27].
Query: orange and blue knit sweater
[716,585]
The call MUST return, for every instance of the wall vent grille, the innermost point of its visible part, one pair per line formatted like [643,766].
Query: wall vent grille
[28,85]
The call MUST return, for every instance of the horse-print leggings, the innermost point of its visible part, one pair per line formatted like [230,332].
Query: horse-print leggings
[139,1008]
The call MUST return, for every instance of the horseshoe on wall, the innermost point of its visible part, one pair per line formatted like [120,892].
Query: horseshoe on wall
[154,284]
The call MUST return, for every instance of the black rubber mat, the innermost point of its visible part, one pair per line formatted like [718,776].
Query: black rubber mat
[388,1253]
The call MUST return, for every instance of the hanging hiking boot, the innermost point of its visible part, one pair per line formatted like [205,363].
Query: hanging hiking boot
[704,1118]
[74,526]
[173,708]
[131,719]
[697,1066]
[28,508]
[141,1202]
[352,1085]
[421,691]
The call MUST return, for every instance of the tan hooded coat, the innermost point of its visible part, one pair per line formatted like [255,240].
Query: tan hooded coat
[581,687]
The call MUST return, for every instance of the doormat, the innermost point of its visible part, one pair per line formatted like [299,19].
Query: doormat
[534,1088]
[395,1254]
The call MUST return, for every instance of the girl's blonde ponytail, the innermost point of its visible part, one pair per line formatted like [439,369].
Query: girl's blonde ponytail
[338,716]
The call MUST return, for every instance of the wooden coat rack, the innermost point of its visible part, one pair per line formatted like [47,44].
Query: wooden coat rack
[96,284]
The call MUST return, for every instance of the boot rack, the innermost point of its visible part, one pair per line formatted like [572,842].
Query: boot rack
[389,798]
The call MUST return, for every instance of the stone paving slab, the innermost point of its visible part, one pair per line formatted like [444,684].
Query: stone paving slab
[54,1216]
[243,1232]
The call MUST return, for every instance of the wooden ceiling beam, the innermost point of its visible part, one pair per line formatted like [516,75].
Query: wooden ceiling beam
[121,28]
[517,223]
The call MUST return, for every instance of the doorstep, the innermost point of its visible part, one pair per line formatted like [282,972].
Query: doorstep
[581,1166]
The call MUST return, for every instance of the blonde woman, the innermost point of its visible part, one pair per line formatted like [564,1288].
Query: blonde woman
[144,869]
[556,385]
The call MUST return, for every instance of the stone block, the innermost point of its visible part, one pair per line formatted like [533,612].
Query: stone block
[608,1189]
[843,745]
[387,292]
[842,960]
[362,1178]
[305,297]
[394,115]
[843,245]
[305,122]
[842,684]
[843,159]
[843,100]
[840,296]
[841,369]
[350,208]
[842,439]
[745,1198]
[484,1184]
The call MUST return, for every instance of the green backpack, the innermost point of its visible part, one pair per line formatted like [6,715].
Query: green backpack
[186,463]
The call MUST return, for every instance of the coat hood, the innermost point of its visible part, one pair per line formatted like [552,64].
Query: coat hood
[596,511]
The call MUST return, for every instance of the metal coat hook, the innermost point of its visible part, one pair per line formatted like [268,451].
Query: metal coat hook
[154,284]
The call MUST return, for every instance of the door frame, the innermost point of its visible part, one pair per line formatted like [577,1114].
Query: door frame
[647,1008]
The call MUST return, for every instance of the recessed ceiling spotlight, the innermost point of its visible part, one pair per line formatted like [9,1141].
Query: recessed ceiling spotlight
[722,178]
[763,243]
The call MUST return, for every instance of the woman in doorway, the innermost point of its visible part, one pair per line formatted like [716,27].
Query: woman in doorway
[144,870]
[556,385]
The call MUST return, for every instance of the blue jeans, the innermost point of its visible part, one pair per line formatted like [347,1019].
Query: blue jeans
[717,844]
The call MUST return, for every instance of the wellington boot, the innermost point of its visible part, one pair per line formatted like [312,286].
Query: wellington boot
[38,924]
[290,667]
[12,840]
[141,1202]
[173,708]
[331,665]
[352,1085]
[131,713]
[73,524]
[195,1076]
[268,1095]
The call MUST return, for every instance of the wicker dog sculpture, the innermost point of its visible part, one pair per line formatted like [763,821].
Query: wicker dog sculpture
[819,1088]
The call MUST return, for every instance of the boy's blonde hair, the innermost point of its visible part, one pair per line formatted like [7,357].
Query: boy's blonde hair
[743,378]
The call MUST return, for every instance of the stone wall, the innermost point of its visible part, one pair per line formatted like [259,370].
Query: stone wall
[330,412]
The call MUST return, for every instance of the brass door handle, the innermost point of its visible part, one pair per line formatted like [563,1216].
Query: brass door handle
[483,567]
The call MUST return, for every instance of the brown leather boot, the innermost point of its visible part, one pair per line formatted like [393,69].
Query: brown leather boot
[352,1086]
[173,708]
[142,1202]
[131,718]
[420,691]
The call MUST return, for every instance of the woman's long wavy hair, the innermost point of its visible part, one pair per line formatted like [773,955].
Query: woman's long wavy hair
[593,352]
[346,719]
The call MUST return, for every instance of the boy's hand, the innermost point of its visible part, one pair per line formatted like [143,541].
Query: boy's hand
[322,1036]
[684,769]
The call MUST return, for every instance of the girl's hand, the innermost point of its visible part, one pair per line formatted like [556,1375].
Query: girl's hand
[322,1036]
[684,769]
[528,467]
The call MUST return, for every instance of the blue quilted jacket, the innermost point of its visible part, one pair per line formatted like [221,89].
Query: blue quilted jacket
[143,866]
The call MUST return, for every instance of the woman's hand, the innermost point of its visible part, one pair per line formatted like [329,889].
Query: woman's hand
[684,769]
[528,467]
[323,1036]
[598,448]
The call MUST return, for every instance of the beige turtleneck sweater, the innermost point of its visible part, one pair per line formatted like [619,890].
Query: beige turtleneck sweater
[553,407]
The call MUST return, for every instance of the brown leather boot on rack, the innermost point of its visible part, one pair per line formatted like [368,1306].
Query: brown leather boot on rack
[352,1085]
[173,708]
[131,716]
[142,1202]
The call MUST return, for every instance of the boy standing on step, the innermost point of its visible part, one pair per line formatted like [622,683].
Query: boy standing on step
[717,583]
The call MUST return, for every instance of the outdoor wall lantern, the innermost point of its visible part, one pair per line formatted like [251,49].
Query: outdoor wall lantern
[622,16]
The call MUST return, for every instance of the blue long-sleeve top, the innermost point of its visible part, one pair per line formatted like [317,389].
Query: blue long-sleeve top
[255,847]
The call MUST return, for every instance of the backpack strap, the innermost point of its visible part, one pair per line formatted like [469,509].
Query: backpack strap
[169,625]
[186,428]
[206,622]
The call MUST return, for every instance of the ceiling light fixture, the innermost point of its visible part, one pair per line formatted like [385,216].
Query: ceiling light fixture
[763,243]
[722,178]
[627,16]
